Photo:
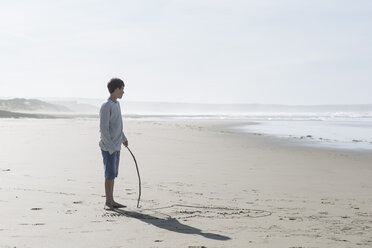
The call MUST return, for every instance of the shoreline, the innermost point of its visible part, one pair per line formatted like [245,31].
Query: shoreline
[229,126]
[301,140]
[306,139]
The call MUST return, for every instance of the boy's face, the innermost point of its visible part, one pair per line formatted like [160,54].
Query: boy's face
[119,92]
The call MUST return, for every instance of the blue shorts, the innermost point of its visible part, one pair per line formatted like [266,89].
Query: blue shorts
[111,164]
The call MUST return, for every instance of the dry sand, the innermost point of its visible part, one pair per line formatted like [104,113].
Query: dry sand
[202,187]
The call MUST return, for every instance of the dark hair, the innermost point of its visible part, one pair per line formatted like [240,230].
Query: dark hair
[114,83]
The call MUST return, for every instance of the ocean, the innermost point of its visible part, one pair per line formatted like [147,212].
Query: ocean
[333,130]
[338,130]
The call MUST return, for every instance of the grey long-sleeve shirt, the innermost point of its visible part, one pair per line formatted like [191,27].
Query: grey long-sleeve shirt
[111,127]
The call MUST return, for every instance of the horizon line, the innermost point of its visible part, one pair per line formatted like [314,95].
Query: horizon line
[195,103]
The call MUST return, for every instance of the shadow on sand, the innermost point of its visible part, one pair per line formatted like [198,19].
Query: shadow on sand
[170,224]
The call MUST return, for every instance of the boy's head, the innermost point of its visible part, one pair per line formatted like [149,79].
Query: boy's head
[116,86]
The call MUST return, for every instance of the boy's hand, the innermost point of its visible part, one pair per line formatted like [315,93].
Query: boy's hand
[114,153]
[125,143]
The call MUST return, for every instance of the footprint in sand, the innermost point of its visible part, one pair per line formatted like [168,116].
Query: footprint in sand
[363,214]
[35,224]
[36,208]
[129,191]
[291,218]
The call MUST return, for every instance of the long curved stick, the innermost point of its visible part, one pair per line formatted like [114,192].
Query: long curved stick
[139,178]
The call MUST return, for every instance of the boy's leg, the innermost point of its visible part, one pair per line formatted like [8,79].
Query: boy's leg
[114,203]
[109,186]
[117,160]
[109,162]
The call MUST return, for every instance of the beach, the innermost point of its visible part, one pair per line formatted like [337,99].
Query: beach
[202,186]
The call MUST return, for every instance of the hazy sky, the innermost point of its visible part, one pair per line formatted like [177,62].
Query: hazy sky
[205,51]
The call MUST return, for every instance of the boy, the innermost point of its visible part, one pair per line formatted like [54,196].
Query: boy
[112,136]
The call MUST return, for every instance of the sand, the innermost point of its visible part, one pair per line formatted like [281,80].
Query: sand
[202,186]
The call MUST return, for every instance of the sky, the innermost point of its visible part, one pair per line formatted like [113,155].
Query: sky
[293,52]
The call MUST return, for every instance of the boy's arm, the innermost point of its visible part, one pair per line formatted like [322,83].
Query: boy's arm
[104,127]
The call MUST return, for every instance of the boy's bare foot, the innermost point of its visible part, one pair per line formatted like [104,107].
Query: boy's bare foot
[118,205]
[108,207]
